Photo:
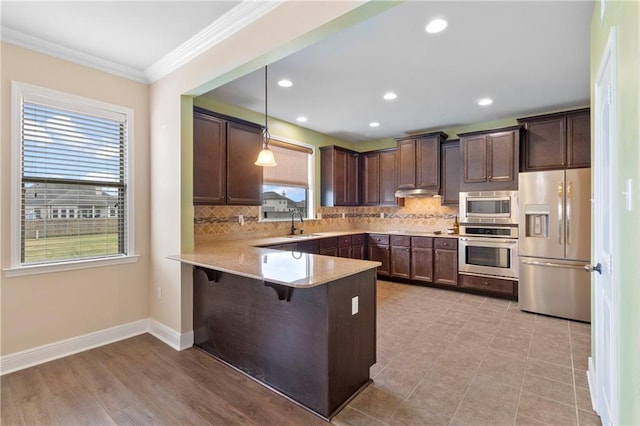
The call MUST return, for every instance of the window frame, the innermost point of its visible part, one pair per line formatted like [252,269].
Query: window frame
[311,180]
[87,106]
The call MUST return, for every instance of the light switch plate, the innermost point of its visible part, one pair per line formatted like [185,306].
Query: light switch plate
[354,305]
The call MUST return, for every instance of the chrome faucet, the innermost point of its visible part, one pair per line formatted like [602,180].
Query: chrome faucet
[293,228]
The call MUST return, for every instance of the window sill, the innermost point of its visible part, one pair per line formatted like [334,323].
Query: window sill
[68,266]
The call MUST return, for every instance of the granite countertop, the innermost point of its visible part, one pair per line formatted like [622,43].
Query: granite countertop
[249,258]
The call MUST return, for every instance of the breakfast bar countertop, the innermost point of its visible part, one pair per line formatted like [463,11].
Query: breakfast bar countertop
[250,258]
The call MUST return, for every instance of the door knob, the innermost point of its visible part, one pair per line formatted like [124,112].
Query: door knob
[591,268]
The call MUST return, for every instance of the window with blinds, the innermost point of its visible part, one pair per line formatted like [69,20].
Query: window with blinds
[73,179]
[287,187]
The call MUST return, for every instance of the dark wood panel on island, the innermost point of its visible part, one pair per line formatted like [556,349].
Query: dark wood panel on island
[306,343]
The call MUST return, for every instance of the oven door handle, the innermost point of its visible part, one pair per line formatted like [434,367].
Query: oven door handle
[489,240]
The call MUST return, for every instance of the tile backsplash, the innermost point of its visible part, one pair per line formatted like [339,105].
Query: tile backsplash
[213,223]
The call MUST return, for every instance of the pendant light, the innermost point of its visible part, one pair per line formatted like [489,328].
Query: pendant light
[265,158]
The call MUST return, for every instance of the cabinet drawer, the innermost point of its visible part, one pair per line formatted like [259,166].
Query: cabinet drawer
[446,243]
[422,242]
[344,241]
[493,285]
[379,239]
[357,239]
[326,243]
[400,240]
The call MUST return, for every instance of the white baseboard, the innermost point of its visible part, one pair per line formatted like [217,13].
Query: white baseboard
[45,353]
[591,380]
[169,336]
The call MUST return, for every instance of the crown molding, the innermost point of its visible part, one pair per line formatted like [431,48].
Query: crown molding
[46,47]
[225,26]
[243,14]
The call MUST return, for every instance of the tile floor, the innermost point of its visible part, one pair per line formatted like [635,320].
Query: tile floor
[448,358]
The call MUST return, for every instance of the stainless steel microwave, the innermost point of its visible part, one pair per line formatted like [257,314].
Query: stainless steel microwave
[500,207]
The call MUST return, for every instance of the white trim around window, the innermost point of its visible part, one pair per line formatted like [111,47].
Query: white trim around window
[21,91]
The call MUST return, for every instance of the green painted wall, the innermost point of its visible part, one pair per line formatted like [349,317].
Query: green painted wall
[625,17]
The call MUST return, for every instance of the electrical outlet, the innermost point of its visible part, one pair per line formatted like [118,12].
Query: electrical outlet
[381,215]
[241,219]
[159,293]
[319,216]
[344,215]
[354,305]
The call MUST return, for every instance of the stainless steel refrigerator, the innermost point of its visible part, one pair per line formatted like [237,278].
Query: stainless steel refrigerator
[555,243]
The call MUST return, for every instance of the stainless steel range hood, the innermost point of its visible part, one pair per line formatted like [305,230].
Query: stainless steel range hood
[409,193]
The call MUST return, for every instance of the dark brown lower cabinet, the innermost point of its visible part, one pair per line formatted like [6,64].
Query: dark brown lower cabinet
[490,285]
[344,246]
[309,346]
[445,261]
[310,246]
[400,256]
[358,247]
[328,246]
[411,258]
[379,252]
[422,259]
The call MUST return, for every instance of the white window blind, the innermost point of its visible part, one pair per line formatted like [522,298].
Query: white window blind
[287,188]
[73,181]
[293,165]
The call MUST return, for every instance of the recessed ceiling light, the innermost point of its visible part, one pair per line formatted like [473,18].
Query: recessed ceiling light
[301,119]
[436,26]
[485,101]
[285,83]
[374,124]
[389,96]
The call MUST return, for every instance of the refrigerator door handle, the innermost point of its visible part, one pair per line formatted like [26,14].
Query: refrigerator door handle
[553,265]
[569,195]
[560,214]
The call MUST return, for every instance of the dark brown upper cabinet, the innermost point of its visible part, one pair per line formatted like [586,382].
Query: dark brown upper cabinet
[224,150]
[418,159]
[379,177]
[557,141]
[450,165]
[490,159]
[209,154]
[338,177]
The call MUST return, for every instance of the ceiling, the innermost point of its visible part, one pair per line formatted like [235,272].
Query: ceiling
[530,57]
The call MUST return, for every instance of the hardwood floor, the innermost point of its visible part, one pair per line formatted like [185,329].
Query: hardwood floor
[142,381]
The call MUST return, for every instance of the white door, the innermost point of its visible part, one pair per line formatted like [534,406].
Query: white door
[603,379]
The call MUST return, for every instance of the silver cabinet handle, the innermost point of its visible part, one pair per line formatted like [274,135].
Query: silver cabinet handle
[552,265]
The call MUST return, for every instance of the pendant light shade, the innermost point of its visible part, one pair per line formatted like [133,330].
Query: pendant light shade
[265,158]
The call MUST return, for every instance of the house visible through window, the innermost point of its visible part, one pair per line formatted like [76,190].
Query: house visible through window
[73,177]
[286,187]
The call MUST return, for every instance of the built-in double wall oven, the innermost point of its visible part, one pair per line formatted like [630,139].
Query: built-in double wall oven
[488,243]
[488,251]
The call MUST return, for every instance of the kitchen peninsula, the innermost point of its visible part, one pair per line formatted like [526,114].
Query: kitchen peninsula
[303,324]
